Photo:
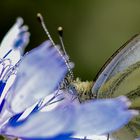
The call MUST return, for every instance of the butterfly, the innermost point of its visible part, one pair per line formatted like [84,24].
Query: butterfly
[120,75]
[21,106]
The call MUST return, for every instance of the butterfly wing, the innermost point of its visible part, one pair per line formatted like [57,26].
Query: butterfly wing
[121,76]
[127,55]
[125,83]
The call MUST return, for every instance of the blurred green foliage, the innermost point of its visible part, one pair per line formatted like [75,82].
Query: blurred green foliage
[93,29]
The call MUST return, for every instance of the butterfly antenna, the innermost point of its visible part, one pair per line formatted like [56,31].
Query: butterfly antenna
[41,20]
[60,33]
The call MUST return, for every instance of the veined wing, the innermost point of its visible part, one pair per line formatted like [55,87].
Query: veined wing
[125,83]
[127,55]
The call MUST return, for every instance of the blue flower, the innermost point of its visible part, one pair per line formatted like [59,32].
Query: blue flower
[34,81]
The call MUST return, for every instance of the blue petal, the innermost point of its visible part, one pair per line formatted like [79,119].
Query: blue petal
[91,118]
[102,116]
[41,124]
[1,105]
[40,73]
[59,137]
[8,46]
[2,86]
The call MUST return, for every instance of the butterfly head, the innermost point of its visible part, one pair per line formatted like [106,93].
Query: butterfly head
[83,89]
[76,88]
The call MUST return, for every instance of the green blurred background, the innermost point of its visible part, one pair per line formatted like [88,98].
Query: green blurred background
[93,29]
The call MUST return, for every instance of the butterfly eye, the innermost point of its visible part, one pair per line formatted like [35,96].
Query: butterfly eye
[72,87]
[72,90]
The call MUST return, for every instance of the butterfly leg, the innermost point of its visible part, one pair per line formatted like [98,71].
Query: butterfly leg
[108,136]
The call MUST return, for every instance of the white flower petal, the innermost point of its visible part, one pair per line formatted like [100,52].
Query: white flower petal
[17,34]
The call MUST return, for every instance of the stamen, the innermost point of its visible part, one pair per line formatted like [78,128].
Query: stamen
[11,71]
[56,101]
[6,85]
[7,53]
[51,100]
[6,65]
[8,71]
[47,103]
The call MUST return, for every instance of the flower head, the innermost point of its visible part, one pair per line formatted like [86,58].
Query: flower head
[35,84]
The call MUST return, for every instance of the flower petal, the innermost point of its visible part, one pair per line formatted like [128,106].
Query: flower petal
[102,116]
[14,42]
[59,137]
[92,118]
[40,73]
[41,124]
